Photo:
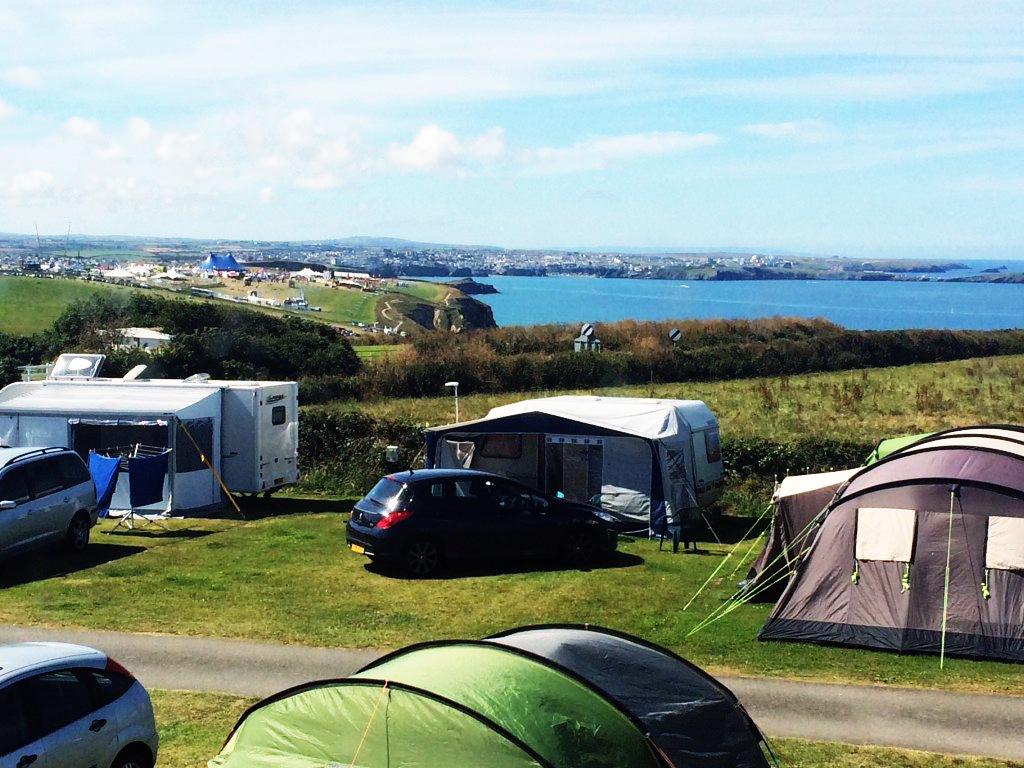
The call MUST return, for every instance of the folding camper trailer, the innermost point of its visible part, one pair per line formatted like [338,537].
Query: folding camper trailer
[241,433]
[650,462]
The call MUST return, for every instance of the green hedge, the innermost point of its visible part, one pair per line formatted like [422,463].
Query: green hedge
[721,350]
[343,451]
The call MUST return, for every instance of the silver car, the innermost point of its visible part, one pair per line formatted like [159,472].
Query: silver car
[70,706]
[46,496]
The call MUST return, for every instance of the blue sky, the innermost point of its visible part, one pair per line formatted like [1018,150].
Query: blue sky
[855,128]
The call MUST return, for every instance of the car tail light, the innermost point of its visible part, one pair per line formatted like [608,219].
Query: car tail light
[393,516]
[114,666]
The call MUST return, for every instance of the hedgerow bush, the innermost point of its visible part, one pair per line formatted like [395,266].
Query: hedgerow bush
[541,357]
[342,451]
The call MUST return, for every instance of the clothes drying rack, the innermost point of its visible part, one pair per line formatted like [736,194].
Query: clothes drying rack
[132,519]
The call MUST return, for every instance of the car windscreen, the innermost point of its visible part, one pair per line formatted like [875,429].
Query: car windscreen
[385,492]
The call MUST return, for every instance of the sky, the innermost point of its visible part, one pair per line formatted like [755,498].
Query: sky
[856,128]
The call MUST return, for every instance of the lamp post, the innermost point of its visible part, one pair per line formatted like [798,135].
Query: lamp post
[455,385]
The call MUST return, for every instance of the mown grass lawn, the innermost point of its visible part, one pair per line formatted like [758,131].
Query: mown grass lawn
[193,727]
[287,577]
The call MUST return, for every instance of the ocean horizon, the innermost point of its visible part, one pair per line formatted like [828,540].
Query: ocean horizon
[853,304]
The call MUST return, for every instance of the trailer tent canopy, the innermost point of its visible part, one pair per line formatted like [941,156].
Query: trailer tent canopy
[649,462]
[101,416]
[920,551]
[539,697]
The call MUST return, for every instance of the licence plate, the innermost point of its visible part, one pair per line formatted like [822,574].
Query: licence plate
[357,549]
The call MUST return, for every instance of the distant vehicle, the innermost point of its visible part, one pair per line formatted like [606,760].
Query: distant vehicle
[64,705]
[47,496]
[421,519]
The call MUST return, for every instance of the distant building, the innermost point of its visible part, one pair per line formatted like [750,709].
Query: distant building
[143,338]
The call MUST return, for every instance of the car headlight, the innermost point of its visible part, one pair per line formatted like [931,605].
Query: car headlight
[601,514]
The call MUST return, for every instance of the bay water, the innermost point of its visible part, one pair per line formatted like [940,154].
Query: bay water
[854,304]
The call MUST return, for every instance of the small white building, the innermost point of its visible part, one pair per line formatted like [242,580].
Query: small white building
[143,338]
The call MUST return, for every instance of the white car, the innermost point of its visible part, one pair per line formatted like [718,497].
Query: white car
[47,496]
[70,706]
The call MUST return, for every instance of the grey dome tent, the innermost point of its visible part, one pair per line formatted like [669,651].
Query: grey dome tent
[922,551]
[538,696]
[690,717]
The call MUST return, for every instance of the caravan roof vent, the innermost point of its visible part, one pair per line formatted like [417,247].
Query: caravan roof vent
[198,378]
[75,366]
[135,372]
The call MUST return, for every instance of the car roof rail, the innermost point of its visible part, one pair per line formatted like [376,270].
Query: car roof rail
[34,453]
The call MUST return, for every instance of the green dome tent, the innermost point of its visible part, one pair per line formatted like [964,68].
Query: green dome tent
[551,697]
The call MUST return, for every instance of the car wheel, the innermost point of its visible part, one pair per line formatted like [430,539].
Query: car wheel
[422,558]
[133,757]
[77,537]
[580,548]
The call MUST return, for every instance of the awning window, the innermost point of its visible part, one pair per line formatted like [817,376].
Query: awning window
[1005,547]
[885,533]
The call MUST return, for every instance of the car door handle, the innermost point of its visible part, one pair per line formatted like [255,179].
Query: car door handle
[27,760]
[97,725]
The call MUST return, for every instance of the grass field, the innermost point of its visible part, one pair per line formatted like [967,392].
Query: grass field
[865,405]
[31,304]
[287,577]
[193,727]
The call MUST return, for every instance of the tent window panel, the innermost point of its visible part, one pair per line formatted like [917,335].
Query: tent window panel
[885,533]
[187,459]
[1005,546]
[501,446]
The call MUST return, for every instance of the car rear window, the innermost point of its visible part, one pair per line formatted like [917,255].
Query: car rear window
[385,490]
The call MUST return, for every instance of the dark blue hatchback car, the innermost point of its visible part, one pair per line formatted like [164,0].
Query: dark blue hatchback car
[421,519]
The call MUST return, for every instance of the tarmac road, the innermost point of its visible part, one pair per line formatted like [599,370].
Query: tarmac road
[934,721]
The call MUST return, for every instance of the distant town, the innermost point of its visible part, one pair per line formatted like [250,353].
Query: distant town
[389,258]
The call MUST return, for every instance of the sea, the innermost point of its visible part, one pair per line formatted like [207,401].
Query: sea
[928,302]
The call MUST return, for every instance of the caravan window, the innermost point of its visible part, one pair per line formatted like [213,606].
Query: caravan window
[1005,546]
[885,534]
[278,415]
[712,446]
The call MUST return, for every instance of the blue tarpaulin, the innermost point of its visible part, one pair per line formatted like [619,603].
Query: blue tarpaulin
[104,476]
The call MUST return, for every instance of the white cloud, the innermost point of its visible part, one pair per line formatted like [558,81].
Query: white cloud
[82,126]
[431,149]
[266,195]
[990,185]
[23,77]
[600,152]
[112,151]
[139,129]
[179,148]
[807,131]
[6,110]
[31,182]
[438,150]
[321,182]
